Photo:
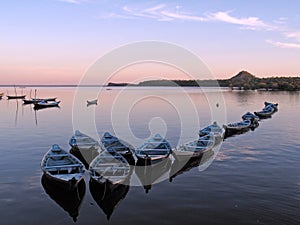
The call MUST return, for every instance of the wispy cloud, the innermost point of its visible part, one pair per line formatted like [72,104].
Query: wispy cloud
[253,23]
[284,44]
[163,13]
[293,34]
[181,16]
[77,2]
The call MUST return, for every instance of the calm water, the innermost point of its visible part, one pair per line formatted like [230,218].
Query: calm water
[254,179]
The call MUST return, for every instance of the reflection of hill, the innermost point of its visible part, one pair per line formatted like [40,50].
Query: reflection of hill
[70,201]
[108,195]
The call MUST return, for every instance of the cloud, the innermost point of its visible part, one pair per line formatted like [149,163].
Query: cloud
[252,23]
[281,20]
[77,2]
[284,44]
[161,13]
[179,16]
[294,34]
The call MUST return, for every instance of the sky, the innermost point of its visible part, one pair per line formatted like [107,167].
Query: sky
[56,41]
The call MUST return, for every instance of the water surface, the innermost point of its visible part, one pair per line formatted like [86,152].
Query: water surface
[253,180]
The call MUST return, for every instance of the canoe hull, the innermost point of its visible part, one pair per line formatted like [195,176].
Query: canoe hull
[64,184]
[15,97]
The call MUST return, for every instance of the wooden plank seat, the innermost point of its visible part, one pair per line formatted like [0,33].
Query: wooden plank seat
[63,166]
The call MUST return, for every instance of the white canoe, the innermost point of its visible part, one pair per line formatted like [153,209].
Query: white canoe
[195,148]
[83,141]
[90,102]
[109,166]
[238,125]
[61,166]
[156,148]
[44,104]
[214,128]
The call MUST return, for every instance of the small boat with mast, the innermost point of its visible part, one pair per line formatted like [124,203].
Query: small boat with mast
[36,100]
[16,96]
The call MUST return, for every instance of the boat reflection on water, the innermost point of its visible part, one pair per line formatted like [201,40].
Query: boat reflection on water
[37,108]
[108,195]
[154,173]
[69,200]
[184,164]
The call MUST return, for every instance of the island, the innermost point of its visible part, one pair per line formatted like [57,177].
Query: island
[242,81]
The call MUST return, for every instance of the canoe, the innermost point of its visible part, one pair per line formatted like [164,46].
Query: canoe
[250,116]
[69,200]
[194,148]
[274,105]
[15,96]
[44,99]
[214,127]
[112,143]
[44,104]
[84,147]
[91,102]
[266,112]
[83,141]
[153,150]
[28,101]
[36,100]
[110,166]
[238,125]
[62,167]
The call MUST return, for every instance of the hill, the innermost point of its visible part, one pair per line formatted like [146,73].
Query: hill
[243,80]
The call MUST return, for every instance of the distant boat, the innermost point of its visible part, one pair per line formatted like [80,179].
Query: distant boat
[194,148]
[44,104]
[112,143]
[16,96]
[92,102]
[110,166]
[153,150]
[238,125]
[1,94]
[36,100]
[69,200]
[250,116]
[62,167]
[266,112]
[274,105]
[215,128]
[84,147]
